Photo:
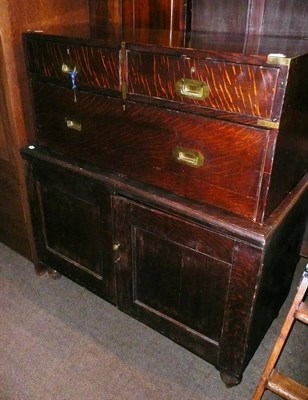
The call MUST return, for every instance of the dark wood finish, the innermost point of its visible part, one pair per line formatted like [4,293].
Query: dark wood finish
[239,93]
[108,17]
[237,17]
[105,18]
[13,230]
[161,14]
[15,18]
[71,217]
[208,216]
[219,16]
[292,143]
[97,67]
[304,249]
[172,272]
[169,278]
[285,18]
[244,89]
[193,252]
[139,142]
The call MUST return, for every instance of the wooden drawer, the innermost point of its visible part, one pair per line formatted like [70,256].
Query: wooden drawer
[97,67]
[237,88]
[157,146]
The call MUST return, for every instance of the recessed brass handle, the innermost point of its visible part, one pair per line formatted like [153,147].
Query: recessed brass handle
[192,158]
[193,89]
[69,68]
[71,124]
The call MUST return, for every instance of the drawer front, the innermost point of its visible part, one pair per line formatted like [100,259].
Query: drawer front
[203,159]
[236,88]
[96,66]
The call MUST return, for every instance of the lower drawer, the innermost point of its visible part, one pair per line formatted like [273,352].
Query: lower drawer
[207,160]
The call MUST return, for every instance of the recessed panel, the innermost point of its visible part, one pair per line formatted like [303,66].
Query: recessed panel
[180,283]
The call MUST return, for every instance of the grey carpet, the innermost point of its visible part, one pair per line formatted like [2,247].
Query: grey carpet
[60,342]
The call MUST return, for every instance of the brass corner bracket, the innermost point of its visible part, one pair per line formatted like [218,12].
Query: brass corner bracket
[278,59]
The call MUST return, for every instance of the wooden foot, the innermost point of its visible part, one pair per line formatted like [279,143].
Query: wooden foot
[230,380]
[53,273]
[40,269]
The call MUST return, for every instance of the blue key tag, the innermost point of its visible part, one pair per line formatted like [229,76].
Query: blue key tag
[73,80]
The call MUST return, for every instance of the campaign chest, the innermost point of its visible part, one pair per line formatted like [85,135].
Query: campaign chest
[169,173]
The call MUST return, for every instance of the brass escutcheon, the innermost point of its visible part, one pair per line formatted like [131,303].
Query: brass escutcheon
[69,67]
[115,246]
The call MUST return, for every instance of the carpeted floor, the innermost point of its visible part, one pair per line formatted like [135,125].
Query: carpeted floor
[60,342]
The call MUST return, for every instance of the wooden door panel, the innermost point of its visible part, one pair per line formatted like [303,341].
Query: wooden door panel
[71,219]
[173,275]
[179,283]
[71,230]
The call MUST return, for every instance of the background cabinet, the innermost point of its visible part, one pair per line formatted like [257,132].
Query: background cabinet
[16,122]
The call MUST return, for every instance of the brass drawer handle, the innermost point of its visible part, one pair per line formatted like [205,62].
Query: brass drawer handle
[71,124]
[193,89]
[192,158]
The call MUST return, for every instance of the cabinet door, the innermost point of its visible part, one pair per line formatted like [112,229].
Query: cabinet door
[71,220]
[172,275]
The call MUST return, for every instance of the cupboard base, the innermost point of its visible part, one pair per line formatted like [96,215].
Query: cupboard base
[210,281]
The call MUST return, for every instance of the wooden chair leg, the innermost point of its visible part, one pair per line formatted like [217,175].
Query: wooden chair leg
[272,380]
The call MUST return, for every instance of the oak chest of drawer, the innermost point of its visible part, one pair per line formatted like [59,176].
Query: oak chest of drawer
[182,167]
[212,127]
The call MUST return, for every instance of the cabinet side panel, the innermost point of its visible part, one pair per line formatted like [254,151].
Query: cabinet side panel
[291,153]
[280,259]
[304,249]
[243,281]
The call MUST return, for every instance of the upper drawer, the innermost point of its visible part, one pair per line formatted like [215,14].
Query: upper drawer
[96,67]
[237,88]
[211,161]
